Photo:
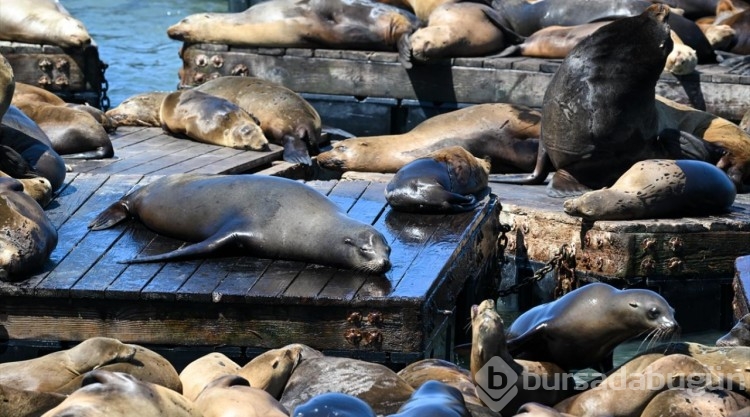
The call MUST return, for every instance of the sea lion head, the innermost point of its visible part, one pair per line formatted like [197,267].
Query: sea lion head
[487,334]
[739,335]
[71,32]
[596,205]
[344,155]
[247,135]
[366,250]
[646,311]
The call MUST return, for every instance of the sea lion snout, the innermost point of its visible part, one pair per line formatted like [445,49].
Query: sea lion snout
[659,11]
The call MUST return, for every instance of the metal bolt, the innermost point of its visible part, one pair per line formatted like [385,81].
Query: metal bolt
[62,64]
[217,61]
[675,244]
[353,336]
[44,80]
[199,77]
[585,261]
[647,265]
[354,318]
[201,60]
[375,318]
[45,64]
[525,227]
[372,337]
[599,264]
[674,264]
[648,244]
[241,70]
[61,80]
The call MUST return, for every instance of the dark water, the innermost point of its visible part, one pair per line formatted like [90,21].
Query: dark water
[132,40]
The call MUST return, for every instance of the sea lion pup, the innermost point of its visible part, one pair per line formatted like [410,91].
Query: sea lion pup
[262,214]
[117,394]
[25,403]
[658,188]
[739,335]
[271,370]
[27,235]
[552,331]
[23,135]
[628,394]
[210,119]
[333,404]
[232,395]
[455,30]
[506,133]
[74,133]
[338,24]
[139,110]
[447,180]
[692,402]
[202,371]
[41,22]
[286,118]
[51,372]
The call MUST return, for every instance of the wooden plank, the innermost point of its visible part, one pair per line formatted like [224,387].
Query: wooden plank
[242,162]
[241,276]
[199,161]
[153,149]
[75,256]
[200,285]
[275,280]
[70,198]
[169,279]
[189,150]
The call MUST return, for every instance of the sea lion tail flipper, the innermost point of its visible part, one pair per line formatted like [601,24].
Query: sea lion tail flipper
[14,164]
[511,37]
[512,50]
[542,168]
[98,153]
[564,185]
[295,151]
[335,131]
[112,215]
[404,51]
[226,236]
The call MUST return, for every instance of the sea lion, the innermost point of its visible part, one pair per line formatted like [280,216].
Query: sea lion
[28,92]
[333,404]
[139,110]
[338,24]
[210,119]
[24,403]
[628,393]
[455,30]
[51,372]
[286,118]
[38,188]
[232,395]
[692,402]
[506,133]
[582,328]
[271,370]
[377,385]
[539,410]
[28,237]
[7,85]
[417,373]
[74,133]
[22,134]
[434,399]
[41,22]
[117,394]
[263,214]
[739,335]
[447,180]
[738,25]
[658,188]
[202,371]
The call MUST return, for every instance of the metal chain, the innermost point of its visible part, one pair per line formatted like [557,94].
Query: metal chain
[562,254]
[566,278]
[103,98]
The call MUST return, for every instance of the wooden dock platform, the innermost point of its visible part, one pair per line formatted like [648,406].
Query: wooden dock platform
[441,263]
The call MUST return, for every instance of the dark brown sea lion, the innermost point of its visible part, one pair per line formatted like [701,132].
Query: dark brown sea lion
[210,119]
[554,331]
[505,133]
[260,213]
[22,134]
[359,24]
[41,22]
[447,180]
[16,402]
[117,394]
[333,404]
[232,395]
[455,30]
[375,384]
[286,118]
[204,370]
[139,110]
[51,372]
[739,43]
[434,399]
[739,335]
[658,188]
[28,237]
[692,402]
[74,133]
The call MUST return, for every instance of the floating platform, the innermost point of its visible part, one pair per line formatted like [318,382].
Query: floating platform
[238,304]
[362,90]
[74,74]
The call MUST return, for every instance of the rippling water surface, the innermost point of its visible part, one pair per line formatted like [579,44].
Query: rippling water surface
[132,40]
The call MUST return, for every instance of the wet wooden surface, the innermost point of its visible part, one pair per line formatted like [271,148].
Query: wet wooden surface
[85,290]
[151,151]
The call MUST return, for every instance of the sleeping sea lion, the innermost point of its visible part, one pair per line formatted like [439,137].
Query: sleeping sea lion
[139,110]
[232,395]
[41,22]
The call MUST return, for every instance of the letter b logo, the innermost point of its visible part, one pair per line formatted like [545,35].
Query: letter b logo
[496,384]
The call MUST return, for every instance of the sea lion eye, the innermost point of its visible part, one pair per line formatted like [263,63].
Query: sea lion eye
[633,304]
[653,314]
[348,241]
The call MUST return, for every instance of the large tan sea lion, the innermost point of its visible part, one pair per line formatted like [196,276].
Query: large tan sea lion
[262,214]
[271,370]
[204,370]
[27,235]
[232,395]
[16,402]
[42,22]
[505,133]
[210,119]
[139,110]
[117,394]
[286,118]
[353,24]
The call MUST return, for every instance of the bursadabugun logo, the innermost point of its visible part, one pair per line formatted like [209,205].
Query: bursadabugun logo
[496,384]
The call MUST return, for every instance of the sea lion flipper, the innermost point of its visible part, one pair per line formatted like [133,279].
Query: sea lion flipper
[565,185]
[98,153]
[404,51]
[519,343]
[295,151]
[510,36]
[227,236]
[14,164]
[112,215]
[542,168]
